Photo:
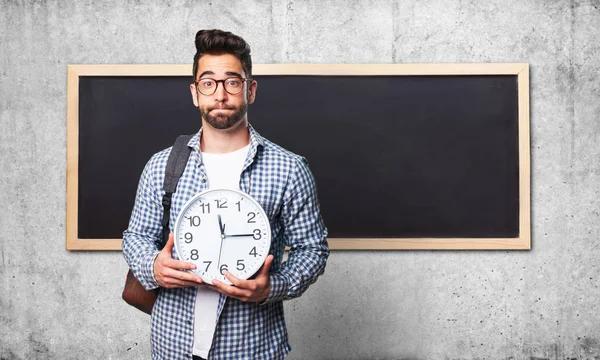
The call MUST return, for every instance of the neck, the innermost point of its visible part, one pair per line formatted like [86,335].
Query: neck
[217,141]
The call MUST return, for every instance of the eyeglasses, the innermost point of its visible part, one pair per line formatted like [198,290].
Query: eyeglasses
[208,86]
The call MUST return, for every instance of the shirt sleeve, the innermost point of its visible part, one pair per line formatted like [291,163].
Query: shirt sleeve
[304,233]
[139,246]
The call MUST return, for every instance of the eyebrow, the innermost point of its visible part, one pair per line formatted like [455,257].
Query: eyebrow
[229,73]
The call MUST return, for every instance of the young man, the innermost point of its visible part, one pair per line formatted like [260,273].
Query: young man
[245,320]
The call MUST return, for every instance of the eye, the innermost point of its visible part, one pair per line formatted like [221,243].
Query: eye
[206,83]
[234,82]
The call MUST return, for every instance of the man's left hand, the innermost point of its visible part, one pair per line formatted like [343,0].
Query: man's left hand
[256,290]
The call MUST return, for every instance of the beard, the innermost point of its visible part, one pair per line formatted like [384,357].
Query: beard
[221,121]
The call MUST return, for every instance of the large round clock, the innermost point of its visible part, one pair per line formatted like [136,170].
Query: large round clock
[223,229]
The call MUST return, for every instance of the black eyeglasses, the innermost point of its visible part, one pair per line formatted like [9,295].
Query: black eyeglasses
[208,86]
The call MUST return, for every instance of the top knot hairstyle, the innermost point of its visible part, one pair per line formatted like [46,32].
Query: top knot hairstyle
[218,42]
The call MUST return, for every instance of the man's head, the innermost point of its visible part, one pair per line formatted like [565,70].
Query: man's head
[223,86]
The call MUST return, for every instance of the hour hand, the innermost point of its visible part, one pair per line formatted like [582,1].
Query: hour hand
[221,226]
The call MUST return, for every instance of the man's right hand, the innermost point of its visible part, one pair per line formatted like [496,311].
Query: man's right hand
[169,273]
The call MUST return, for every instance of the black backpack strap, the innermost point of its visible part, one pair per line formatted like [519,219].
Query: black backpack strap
[176,163]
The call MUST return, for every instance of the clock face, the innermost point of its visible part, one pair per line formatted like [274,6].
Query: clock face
[223,229]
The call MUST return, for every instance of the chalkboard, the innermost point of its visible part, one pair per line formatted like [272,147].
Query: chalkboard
[433,158]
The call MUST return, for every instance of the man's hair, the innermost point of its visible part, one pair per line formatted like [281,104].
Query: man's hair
[218,42]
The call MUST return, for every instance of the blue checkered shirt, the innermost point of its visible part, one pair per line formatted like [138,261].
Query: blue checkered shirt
[283,184]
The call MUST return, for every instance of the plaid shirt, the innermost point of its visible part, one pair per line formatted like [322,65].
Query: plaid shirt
[284,186]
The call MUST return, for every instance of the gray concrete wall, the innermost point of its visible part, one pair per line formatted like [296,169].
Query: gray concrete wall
[542,303]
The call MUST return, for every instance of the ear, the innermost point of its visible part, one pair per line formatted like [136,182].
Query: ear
[252,91]
[194,94]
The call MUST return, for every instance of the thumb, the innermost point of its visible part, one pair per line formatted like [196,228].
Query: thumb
[170,243]
[264,270]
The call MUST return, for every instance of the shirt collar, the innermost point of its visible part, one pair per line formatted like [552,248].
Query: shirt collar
[256,140]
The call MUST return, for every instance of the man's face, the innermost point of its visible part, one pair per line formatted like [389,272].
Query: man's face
[222,110]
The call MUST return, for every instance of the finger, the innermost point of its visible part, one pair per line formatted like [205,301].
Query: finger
[264,269]
[178,264]
[235,281]
[217,284]
[225,288]
[182,276]
[229,290]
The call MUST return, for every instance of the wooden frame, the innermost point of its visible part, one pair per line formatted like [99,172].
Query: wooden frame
[523,242]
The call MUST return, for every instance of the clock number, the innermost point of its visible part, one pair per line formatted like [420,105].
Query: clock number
[257,235]
[223,268]
[251,216]
[194,220]
[239,205]
[240,265]
[188,238]
[205,208]
[221,203]
[253,252]
[207,262]
[194,254]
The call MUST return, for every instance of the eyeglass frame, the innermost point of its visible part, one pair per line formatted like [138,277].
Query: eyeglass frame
[222,81]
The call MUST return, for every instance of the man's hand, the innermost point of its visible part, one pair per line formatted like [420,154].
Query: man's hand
[169,273]
[256,290]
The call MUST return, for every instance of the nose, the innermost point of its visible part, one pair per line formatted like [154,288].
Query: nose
[220,93]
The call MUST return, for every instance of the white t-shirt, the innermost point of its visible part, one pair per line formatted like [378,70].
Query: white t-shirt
[223,171]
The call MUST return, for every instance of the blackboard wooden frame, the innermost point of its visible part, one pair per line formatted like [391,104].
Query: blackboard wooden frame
[522,242]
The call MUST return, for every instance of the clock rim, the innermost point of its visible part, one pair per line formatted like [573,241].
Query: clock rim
[203,193]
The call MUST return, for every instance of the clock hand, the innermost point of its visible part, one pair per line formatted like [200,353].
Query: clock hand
[221,248]
[221,226]
[240,235]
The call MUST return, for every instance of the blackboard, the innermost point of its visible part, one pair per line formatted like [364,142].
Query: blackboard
[402,159]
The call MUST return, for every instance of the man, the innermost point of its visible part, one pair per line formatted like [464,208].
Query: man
[245,320]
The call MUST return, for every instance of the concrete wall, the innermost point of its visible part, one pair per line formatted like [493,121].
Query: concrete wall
[542,303]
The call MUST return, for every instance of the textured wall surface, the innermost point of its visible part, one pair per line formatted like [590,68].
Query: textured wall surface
[539,304]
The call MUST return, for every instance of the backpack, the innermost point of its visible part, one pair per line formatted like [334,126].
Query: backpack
[134,293]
